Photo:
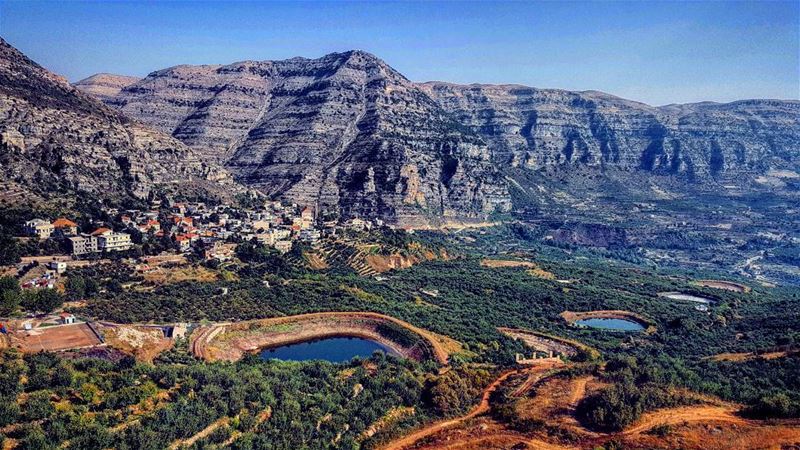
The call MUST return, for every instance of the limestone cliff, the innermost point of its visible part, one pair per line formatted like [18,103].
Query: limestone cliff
[56,141]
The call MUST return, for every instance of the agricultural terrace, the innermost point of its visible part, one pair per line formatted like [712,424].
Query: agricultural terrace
[229,342]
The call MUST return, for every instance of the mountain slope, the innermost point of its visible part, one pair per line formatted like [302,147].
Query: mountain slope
[537,128]
[104,86]
[345,131]
[56,142]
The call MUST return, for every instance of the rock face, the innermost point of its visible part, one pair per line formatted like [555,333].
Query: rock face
[56,141]
[349,133]
[345,132]
[104,86]
[535,128]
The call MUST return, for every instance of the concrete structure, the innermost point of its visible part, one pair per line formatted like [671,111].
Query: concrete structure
[65,227]
[111,241]
[83,245]
[38,227]
[283,246]
[59,266]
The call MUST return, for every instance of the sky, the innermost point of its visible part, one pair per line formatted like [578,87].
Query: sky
[655,52]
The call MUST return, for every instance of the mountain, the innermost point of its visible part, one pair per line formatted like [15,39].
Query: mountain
[536,128]
[344,131]
[104,86]
[351,133]
[57,142]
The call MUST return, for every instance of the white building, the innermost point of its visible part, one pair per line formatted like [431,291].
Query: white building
[38,227]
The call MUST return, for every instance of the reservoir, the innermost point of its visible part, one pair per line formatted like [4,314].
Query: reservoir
[335,349]
[610,324]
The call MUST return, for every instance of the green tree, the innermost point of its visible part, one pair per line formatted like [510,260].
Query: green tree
[10,295]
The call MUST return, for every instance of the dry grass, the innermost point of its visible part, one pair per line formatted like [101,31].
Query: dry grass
[178,274]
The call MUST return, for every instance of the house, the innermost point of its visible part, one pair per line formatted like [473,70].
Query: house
[283,246]
[111,241]
[67,318]
[150,225]
[38,227]
[184,242]
[65,227]
[59,266]
[84,244]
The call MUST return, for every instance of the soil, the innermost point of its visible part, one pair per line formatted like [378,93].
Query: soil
[229,342]
[144,343]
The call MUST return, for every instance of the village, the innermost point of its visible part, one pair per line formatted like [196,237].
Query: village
[151,242]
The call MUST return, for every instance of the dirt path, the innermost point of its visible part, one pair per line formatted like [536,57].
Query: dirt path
[674,416]
[200,435]
[481,408]
[492,440]
[578,390]
[537,372]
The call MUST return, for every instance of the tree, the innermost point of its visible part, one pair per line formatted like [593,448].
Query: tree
[10,295]
[9,249]
[42,300]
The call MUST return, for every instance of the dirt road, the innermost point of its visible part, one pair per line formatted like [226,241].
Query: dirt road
[481,408]
[674,416]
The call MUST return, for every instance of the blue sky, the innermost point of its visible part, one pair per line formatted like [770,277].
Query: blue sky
[670,52]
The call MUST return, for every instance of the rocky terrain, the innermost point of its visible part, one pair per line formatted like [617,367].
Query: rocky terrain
[535,128]
[57,142]
[104,86]
[345,131]
[350,133]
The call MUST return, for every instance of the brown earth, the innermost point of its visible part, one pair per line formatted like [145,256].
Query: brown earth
[707,426]
[144,343]
[62,337]
[725,285]
[229,342]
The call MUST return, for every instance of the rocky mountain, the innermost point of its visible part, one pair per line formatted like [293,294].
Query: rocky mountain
[345,131]
[536,128]
[104,86]
[56,141]
[350,133]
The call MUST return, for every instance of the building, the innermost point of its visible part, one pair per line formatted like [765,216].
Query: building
[59,266]
[184,243]
[111,241]
[83,245]
[65,227]
[38,227]
[67,318]
[283,246]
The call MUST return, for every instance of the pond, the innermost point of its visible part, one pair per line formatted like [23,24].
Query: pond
[687,297]
[610,324]
[335,349]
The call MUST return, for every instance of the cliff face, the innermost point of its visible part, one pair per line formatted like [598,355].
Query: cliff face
[349,133]
[56,141]
[537,128]
[345,131]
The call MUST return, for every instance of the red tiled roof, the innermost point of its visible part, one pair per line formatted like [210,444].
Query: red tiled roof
[100,231]
[62,222]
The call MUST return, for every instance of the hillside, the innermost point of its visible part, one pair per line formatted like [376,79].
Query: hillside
[344,130]
[536,128]
[57,142]
[352,134]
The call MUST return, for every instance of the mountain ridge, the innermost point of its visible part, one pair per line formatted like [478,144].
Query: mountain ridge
[58,142]
[281,126]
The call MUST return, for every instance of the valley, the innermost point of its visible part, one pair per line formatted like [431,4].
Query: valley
[319,253]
